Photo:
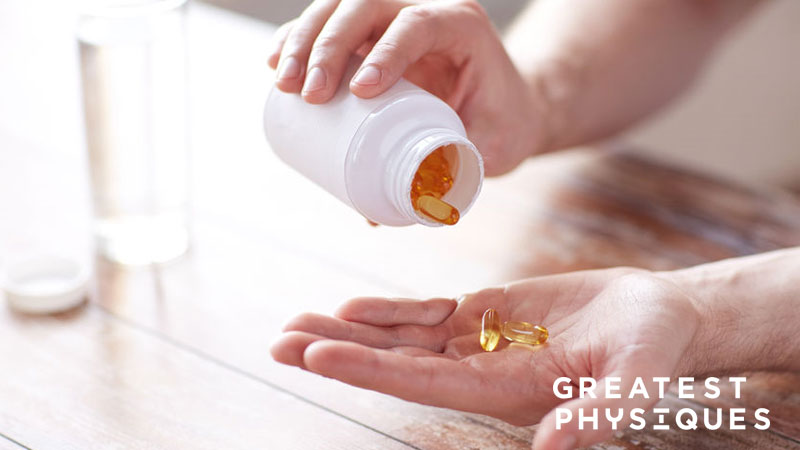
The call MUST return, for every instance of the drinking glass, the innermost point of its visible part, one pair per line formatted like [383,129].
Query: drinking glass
[133,71]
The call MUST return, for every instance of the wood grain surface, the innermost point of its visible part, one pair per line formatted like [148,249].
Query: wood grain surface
[88,380]
[176,356]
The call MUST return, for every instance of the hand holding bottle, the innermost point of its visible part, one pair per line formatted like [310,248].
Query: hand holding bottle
[449,48]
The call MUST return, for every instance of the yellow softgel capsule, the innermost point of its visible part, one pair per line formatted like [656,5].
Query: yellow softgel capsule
[432,181]
[439,210]
[490,330]
[524,332]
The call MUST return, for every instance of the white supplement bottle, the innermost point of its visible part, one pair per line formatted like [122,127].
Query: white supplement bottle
[366,152]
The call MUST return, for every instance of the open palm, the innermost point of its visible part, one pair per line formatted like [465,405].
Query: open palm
[616,322]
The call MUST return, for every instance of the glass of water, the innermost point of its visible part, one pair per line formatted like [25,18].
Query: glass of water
[133,70]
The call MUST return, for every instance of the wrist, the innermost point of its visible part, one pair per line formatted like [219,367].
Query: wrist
[749,314]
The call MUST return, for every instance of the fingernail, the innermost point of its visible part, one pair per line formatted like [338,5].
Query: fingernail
[289,69]
[315,80]
[368,76]
[567,443]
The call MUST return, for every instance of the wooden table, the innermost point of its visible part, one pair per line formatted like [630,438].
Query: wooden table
[176,356]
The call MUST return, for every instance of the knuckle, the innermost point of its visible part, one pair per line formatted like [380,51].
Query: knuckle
[324,46]
[420,21]
[386,49]
[299,40]
[418,14]
[472,16]
[475,10]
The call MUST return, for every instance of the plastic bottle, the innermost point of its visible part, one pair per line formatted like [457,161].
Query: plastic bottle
[366,151]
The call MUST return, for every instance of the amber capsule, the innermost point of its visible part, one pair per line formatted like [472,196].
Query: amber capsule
[525,333]
[490,330]
[438,210]
[431,182]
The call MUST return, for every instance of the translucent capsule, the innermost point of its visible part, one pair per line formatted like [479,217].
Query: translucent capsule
[439,210]
[525,333]
[490,330]
[432,181]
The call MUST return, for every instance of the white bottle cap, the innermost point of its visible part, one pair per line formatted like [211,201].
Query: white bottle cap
[46,285]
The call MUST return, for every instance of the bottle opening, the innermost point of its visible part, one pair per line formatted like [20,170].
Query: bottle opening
[433,179]
[446,181]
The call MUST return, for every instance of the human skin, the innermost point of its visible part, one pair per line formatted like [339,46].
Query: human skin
[715,319]
[571,72]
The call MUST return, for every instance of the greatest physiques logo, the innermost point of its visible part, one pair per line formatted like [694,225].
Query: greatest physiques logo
[686,418]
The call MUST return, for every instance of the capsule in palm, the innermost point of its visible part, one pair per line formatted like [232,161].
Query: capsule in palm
[490,330]
[524,332]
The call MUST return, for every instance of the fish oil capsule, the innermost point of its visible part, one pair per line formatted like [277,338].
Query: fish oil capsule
[438,210]
[490,330]
[524,332]
[432,181]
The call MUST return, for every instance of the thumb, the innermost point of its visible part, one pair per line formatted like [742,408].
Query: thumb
[584,421]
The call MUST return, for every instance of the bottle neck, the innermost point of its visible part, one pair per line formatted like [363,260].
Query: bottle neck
[466,164]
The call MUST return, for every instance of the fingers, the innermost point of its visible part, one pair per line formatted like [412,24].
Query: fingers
[431,338]
[350,25]
[416,31]
[289,348]
[408,38]
[296,47]
[311,54]
[390,312]
[433,381]
[277,44]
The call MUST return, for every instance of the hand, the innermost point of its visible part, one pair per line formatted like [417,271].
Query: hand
[617,322]
[449,48]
